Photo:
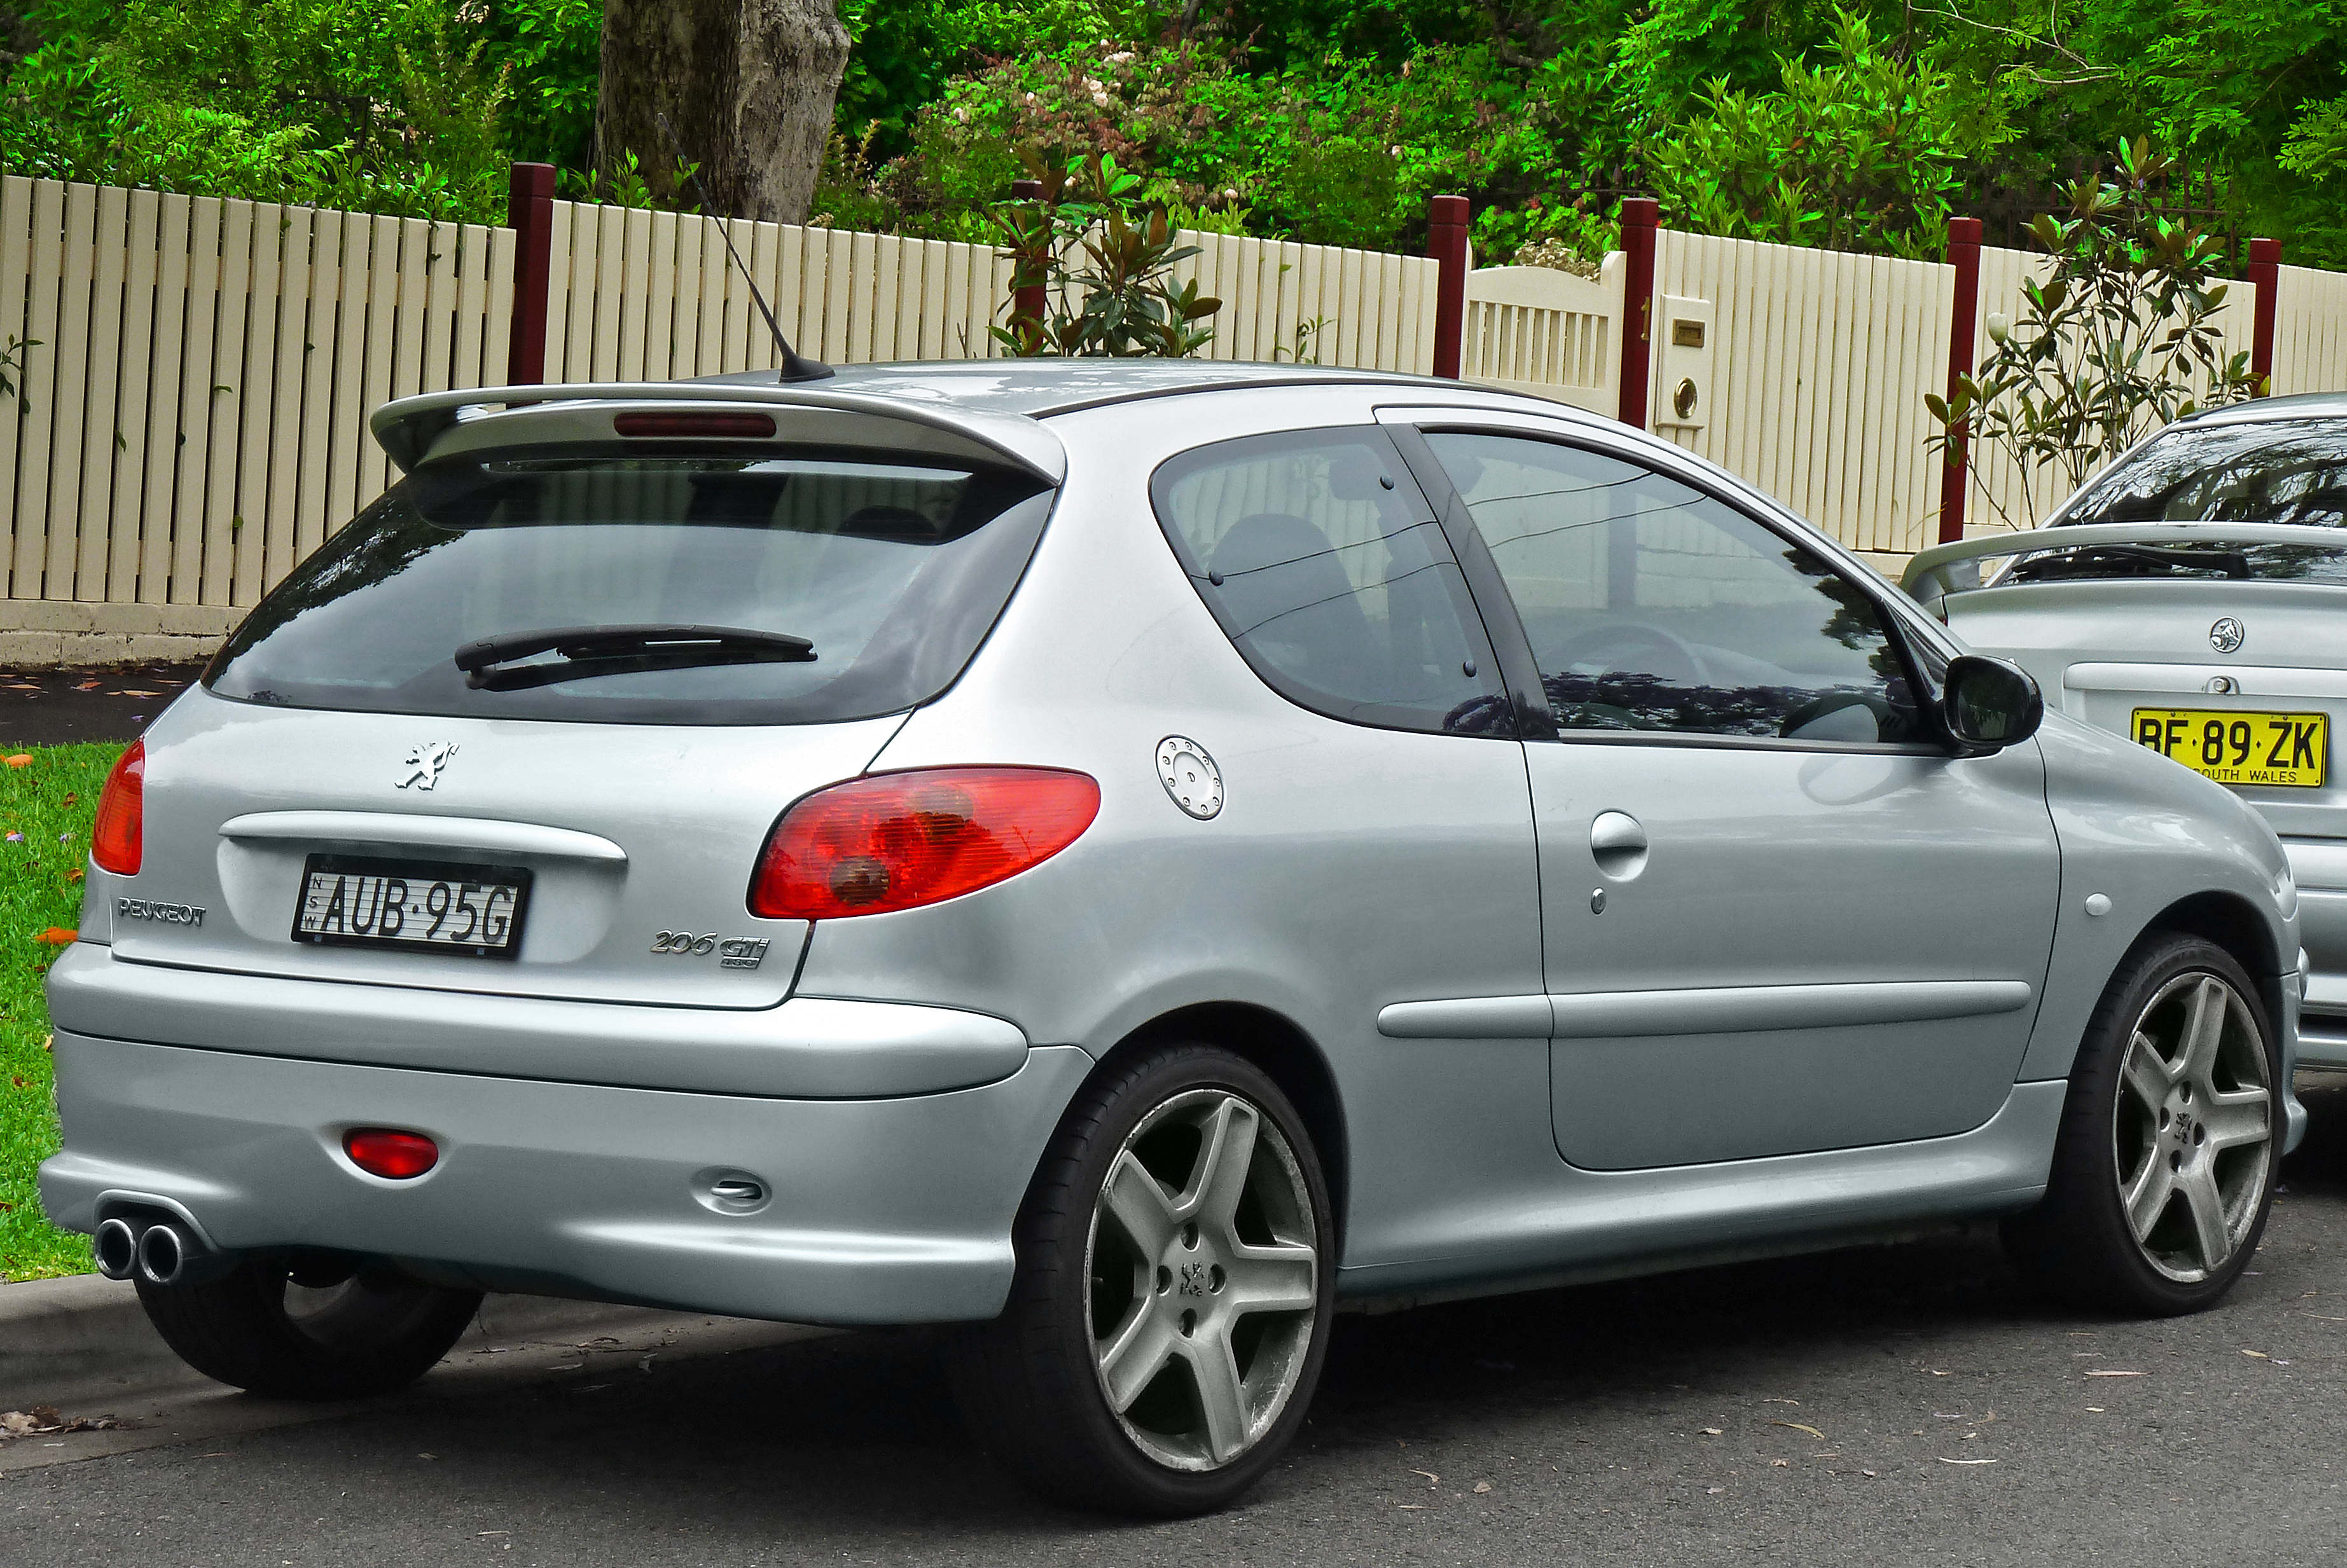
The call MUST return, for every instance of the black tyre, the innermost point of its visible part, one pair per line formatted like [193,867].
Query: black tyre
[2164,1170]
[1168,1320]
[311,1335]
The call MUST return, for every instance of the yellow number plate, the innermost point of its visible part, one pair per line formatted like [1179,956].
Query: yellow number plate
[2291,751]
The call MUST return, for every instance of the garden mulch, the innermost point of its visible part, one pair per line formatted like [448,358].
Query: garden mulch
[54,707]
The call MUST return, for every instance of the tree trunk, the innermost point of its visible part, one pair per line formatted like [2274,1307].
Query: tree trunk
[749,86]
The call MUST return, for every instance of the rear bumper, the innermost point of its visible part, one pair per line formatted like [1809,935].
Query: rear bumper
[880,1211]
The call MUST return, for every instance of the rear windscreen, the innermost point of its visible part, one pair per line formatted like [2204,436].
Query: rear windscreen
[891,571]
[2270,471]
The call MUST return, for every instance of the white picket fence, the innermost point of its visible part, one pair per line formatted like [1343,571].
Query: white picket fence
[2310,350]
[1547,332]
[192,418]
[192,414]
[640,295]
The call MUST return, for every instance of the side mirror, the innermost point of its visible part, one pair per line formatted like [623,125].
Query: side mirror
[1990,704]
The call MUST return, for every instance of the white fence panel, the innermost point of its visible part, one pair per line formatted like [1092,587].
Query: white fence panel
[1818,363]
[639,296]
[2309,352]
[192,416]
[1546,333]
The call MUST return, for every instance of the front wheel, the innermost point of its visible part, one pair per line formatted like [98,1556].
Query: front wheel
[2164,1171]
[1168,1319]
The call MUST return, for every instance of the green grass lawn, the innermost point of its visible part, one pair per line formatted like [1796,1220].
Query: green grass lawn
[46,807]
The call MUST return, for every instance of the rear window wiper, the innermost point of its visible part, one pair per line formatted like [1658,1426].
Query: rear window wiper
[585,651]
[2102,560]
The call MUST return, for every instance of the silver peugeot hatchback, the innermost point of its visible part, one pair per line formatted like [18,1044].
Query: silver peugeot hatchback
[1123,858]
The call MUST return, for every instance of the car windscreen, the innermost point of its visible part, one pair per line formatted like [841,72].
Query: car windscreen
[2270,471]
[840,585]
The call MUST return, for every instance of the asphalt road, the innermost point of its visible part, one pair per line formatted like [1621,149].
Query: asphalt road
[1890,1406]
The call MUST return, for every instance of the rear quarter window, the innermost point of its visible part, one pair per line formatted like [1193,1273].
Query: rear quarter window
[1322,563]
[894,571]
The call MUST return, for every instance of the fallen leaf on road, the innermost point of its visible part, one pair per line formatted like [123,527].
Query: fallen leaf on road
[1968,1462]
[1431,1479]
[1712,1491]
[1713,1431]
[43,1420]
[2260,1355]
[1798,1427]
[1779,1464]
[1482,1486]
[2107,1372]
[1935,1372]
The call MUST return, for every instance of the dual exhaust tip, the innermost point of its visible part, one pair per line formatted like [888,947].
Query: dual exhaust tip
[162,1252]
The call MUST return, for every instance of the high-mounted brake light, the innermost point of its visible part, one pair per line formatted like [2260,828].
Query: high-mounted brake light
[118,841]
[895,841]
[388,1152]
[688,423]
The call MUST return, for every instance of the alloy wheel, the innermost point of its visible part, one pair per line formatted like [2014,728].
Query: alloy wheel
[1201,1280]
[2192,1129]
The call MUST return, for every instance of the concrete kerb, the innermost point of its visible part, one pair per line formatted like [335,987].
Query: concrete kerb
[84,1343]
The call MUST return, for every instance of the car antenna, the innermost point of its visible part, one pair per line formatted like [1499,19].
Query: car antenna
[796,367]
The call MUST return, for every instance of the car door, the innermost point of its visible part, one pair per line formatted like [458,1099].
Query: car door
[1780,915]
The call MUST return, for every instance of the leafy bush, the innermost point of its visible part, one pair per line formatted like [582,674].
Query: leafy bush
[1857,153]
[1125,303]
[387,107]
[2117,341]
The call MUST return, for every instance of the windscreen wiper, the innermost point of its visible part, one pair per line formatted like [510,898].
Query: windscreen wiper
[584,651]
[2096,560]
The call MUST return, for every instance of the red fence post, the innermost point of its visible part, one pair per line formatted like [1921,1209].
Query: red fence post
[2265,271]
[1031,300]
[1639,216]
[529,213]
[1963,325]
[1446,241]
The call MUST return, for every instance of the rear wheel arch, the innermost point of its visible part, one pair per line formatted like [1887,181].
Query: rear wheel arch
[1288,1056]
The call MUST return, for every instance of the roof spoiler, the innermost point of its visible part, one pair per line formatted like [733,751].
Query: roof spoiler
[412,429]
[1945,569]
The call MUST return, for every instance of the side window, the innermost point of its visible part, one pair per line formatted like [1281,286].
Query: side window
[1653,606]
[1322,563]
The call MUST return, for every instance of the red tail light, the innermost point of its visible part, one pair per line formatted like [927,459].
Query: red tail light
[392,1154]
[119,840]
[895,841]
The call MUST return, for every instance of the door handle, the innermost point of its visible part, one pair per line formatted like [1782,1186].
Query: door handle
[1618,841]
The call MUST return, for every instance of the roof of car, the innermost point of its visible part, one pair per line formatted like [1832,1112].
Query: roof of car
[1042,387]
[2257,411]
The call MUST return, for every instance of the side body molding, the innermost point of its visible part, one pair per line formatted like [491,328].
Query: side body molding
[1757,1009]
[1719,1009]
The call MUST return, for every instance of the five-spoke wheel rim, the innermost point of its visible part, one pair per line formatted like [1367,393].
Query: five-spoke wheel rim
[1201,1280]
[2193,1127]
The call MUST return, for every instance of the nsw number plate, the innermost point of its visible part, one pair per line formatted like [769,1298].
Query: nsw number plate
[420,905]
[2288,750]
